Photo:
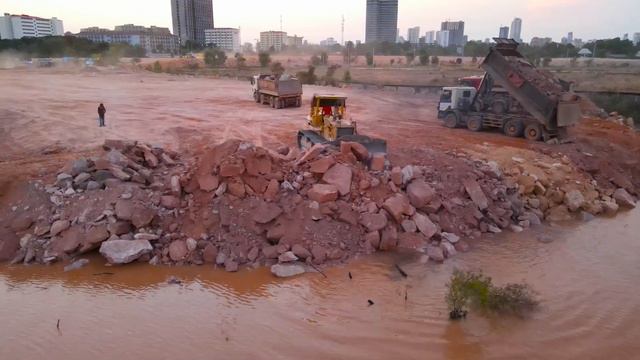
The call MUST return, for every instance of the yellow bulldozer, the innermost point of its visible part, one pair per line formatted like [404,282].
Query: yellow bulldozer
[329,125]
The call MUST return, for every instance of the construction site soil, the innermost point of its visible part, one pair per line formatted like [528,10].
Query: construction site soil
[192,171]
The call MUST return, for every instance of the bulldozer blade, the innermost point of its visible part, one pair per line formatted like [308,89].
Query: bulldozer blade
[374,146]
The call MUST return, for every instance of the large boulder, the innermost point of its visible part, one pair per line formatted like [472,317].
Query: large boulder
[178,250]
[124,209]
[624,199]
[435,253]
[287,270]
[397,206]
[340,176]
[558,213]
[59,226]
[420,193]
[142,217]
[210,253]
[476,194]
[208,182]
[124,251]
[323,193]
[93,237]
[266,213]
[425,225]
[321,166]
[574,200]
[373,222]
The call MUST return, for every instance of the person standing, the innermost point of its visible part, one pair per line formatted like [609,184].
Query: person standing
[101,111]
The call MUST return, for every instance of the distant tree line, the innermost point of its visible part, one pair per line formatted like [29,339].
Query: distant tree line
[69,46]
[603,48]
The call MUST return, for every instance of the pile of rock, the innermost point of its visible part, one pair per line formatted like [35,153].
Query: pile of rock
[551,192]
[331,204]
[619,119]
[241,205]
[92,201]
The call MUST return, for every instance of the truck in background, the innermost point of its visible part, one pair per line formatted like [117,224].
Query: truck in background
[279,91]
[543,106]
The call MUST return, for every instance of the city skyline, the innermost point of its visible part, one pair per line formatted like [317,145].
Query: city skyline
[542,18]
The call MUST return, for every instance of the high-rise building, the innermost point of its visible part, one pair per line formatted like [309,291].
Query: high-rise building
[430,37]
[625,36]
[152,39]
[570,37]
[19,26]
[275,40]
[382,21]
[443,37]
[456,32]
[295,41]
[227,39]
[191,18]
[413,34]
[504,32]
[328,42]
[516,30]
[636,38]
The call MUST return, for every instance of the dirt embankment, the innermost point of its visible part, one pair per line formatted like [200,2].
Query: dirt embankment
[218,203]
[237,205]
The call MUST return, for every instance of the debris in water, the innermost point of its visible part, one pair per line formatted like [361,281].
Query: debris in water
[58,324]
[350,277]
[174,281]
[402,272]
[371,303]
[318,270]
[103,273]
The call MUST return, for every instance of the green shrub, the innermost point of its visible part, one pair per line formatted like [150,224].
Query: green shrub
[157,68]
[468,289]
[264,58]
[347,76]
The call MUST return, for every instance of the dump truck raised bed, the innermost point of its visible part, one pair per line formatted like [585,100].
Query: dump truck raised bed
[279,91]
[543,106]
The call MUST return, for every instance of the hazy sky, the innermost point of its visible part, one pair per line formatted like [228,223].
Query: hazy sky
[317,20]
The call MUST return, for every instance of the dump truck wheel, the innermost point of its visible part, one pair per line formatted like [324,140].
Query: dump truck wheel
[499,107]
[451,120]
[256,97]
[272,102]
[475,123]
[299,102]
[514,128]
[533,132]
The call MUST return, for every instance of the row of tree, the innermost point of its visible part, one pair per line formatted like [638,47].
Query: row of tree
[68,46]
[603,48]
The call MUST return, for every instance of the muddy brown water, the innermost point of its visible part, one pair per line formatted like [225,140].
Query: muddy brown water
[587,279]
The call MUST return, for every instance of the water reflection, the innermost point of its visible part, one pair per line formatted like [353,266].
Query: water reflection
[586,279]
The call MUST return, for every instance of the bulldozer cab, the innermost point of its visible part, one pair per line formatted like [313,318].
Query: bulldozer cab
[327,107]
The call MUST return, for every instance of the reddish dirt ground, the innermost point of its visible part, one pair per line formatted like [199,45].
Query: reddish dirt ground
[49,116]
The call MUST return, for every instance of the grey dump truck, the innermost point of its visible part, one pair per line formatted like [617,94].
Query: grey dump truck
[543,106]
[278,91]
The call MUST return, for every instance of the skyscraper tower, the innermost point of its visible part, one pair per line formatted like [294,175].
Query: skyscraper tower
[516,30]
[191,18]
[382,21]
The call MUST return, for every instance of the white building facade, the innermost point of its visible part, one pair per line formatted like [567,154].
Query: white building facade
[273,39]
[430,37]
[152,39]
[442,38]
[19,26]
[413,35]
[227,39]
